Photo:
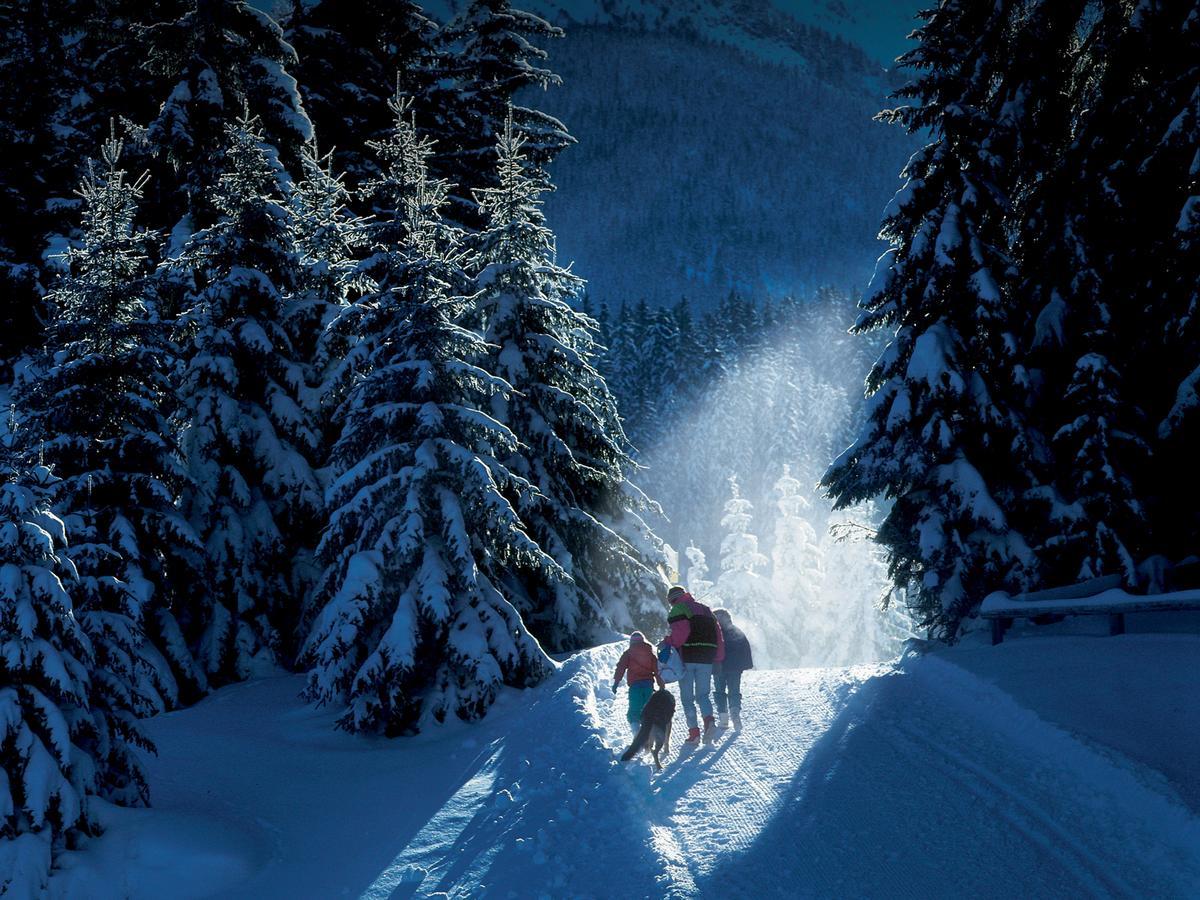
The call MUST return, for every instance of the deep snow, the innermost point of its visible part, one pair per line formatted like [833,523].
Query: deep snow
[1047,766]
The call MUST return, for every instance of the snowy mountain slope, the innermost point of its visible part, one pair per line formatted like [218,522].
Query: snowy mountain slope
[919,779]
[775,30]
[701,168]
[880,27]
[723,144]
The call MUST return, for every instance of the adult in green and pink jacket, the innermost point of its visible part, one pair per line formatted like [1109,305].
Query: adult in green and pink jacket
[696,634]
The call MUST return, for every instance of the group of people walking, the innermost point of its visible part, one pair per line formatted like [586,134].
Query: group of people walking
[714,652]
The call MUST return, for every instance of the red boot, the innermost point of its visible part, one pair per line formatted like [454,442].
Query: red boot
[693,736]
[709,729]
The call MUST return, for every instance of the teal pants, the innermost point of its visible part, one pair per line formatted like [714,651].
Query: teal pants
[639,693]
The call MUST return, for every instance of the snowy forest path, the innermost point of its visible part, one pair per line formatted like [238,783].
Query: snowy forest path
[913,779]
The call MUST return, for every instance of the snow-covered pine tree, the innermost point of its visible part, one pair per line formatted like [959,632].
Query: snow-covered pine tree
[46,661]
[1084,519]
[248,438]
[697,573]
[1092,448]
[488,54]
[68,709]
[67,68]
[943,437]
[414,620]
[798,565]
[222,58]
[688,381]
[621,376]
[767,618]
[343,242]
[584,513]
[1180,144]
[95,405]
[661,370]
[329,238]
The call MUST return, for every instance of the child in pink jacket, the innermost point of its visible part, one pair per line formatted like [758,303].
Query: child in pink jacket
[640,666]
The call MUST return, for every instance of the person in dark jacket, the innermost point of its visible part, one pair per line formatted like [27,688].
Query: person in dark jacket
[727,674]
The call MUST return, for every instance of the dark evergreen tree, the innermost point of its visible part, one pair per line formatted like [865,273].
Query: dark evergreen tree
[1107,514]
[1065,137]
[67,68]
[1168,87]
[583,513]
[488,54]
[662,369]
[944,439]
[423,549]
[1085,504]
[68,710]
[34,86]
[248,438]
[221,58]
[351,53]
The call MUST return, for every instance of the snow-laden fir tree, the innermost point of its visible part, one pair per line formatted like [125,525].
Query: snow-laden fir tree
[48,86]
[68,726]
[584,512]
[328,238]
[1183,133]
[768,620]
[798,565]
[338,249]
[34,83]
[1093,448]
[944,437]
[67,68]
[1163,92]
[697,573]
[855,585]
[1088,519]
[423,548]
[627,376]
[248,438]
[95,404]
[46,661]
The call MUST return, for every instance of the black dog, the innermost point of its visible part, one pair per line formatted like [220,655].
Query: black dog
[655,730]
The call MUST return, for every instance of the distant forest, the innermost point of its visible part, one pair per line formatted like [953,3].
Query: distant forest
[721,171]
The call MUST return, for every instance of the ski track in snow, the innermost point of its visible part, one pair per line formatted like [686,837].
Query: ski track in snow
[918,779]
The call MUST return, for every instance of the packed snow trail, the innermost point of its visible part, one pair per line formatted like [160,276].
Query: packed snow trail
[918,779]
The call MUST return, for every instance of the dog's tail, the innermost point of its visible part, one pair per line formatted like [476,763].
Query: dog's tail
[639,741]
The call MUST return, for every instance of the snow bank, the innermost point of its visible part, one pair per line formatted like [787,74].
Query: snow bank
[545,813]
[1132,695]
[256,795]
